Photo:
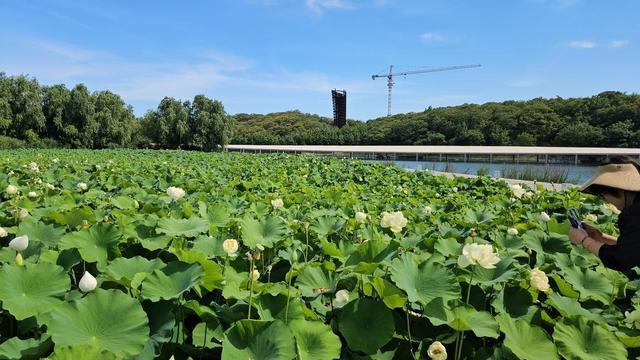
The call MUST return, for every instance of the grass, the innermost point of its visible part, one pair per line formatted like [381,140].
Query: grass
[550,174]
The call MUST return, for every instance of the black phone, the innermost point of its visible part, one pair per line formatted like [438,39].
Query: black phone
[574,219]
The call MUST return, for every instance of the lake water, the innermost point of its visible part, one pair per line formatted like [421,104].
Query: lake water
[576,173]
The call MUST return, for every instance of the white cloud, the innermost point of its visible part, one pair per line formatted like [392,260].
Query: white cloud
[619,43]
[432,37]
[320,6]
[583,44]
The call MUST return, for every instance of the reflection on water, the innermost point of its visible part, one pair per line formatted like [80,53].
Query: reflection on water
[576,173]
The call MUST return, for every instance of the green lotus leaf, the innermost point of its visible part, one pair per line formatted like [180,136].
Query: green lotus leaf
[390,294]
[276,308]
[105,319]
[503,272]
[265,232]
[32,289]
[123,202]
[482,323]
[315,340]
[373,252]
[326,225]
[38,232]
[424,282]
[514,300]
[16,348]
[82,352]
[190,227]
[567,306]
[127,268]
[589,284]
[366,325]
[171,281]
[581,339]
[314,280]
[526,341]
[204,333]
[74,217]
[257,339]
[95,245]
[212,275]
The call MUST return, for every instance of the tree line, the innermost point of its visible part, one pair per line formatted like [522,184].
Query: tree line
[48,116]
[609,119]
[56,116]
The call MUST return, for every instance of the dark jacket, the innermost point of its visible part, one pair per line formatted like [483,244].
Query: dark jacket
[625,254]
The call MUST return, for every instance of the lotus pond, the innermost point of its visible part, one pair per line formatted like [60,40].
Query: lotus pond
[154,254]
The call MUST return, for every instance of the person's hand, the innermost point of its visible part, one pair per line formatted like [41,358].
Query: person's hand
[577,235]
[593,232]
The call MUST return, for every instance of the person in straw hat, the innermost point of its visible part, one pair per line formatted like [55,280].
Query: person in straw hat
[617,182]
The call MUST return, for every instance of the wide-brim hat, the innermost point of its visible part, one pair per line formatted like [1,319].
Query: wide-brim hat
[619,176]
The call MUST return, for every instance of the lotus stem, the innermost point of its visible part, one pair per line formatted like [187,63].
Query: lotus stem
[250,288]
[459,345]
[286,309]
[409,333]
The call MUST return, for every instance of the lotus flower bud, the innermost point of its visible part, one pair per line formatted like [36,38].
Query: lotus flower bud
[427,210]
[512,231]
[50,187]
[11,190]
[361,217]
[87,282]
[544,217]
[22,213]
[32,194]
[437,351]
[175,193]
[3,232]
[277,203]
[33,166]
[255,275]
[19,243]
[342,298]
[81,186]
[230,246]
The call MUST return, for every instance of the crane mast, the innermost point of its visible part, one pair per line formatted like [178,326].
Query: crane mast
[391,74]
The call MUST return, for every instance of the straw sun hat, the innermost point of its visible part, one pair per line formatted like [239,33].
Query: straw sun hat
[619,176]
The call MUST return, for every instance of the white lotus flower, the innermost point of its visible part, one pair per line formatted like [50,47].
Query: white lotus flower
[394,221]
[32,194]
[87,282]
[427,210]
[230,246]
[517,190]
[255,275]
[82,186]
[612,208]
[592,218]
[22,213]
[342,298]
[33,166]
[481,254]
[50,186]
[3,232]
[19,243]
[529,194]
[361,217]
[539,280]
[175,193]
[55,161]
[544,217]
[512,231]
[632,319]
[437,351]
[277,203]
[11,190]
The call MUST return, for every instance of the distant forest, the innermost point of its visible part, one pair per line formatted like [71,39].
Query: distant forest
[32,115]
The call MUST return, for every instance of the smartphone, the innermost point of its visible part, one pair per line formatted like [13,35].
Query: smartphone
[574,219]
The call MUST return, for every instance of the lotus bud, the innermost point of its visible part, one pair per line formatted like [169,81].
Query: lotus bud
[437,351]
[3,232]
[22,213]
[50,187]
[255,275]
[33,166]
[175,193]
[512,231]
[87,282]
[82,186]
[544,217]
[277,203]
[230,246]
[11,190]
[32,194]
[19,243]
[427,210]
[342,298]
[105,218]
[19,259]
[85,224]
[361,217]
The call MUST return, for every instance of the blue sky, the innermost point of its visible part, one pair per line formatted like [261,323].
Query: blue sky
[260,56]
